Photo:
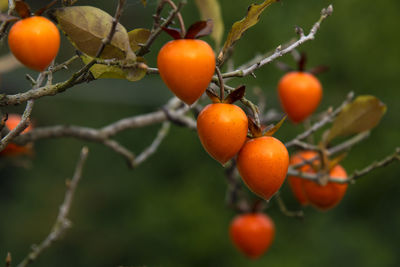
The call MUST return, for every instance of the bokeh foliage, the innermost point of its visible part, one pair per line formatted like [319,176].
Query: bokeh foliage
[170,211]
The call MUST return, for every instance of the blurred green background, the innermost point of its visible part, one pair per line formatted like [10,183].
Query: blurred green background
[170,211]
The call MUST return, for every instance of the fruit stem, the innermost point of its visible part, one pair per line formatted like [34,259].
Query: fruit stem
[180,18]
[221,84]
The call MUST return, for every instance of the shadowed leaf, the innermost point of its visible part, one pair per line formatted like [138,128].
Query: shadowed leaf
[137,37]
[363,114]
[253,15]
[235,95]
[100,71]
[276,127]
[174,33]
[22,9]
[210,9]
[87,26]
[254,129]
[199,29]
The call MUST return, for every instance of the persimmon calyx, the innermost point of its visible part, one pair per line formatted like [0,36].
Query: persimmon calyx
[196,30]
[235,95]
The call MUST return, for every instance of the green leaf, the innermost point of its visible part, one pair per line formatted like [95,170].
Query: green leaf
[210,9]
[100,71]
[137,37]
[253,15]
[363,114]
[87,26]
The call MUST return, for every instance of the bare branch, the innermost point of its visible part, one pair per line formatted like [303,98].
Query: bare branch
[241,72]
[326,119]
[351,178]
[162,133]
[62,222]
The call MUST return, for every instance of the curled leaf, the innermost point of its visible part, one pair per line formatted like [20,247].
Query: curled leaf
[131,73]
[254,129]
[210,9]
[253,15]
[137,37]
[275,128]
[363,114]
[87,26]
[235,95]
[199,29]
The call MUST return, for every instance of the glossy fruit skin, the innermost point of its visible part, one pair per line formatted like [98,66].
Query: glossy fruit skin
[299,94]
[186,66]
[252,233]
[306,191]
[34,41]
[263,163]
[327,196]
[13,149]
[296,183]
[222,130]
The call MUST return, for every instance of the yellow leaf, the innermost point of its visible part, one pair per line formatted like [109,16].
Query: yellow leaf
[363,114]
[3,5]
[87,26]
[210,9]
[137,37]
[144,2]
[253,15]
[275,128]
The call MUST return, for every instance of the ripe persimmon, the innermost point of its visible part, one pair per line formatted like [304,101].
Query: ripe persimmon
[222,129]
[299,93]
[14,149]
[296,183]
[323,197]
[34,41]
[263,163]
[186,66]
[252,233]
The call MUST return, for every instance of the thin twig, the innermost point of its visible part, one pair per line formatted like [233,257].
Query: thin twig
[241,72]
[351,178]
[162,133]
[316,126]
[62,222]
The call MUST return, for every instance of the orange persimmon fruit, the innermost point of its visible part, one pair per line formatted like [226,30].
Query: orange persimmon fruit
[263,163]
[14,149]
[299,93]
[252,233]
[34,41]
[323,197]
[222,130]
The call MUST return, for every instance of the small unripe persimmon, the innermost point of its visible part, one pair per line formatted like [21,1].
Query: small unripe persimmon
[34,41]
[222,129]
[252,233]
[263,163]
[299,94]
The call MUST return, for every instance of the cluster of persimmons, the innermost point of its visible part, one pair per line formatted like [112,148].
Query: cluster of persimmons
[187,66]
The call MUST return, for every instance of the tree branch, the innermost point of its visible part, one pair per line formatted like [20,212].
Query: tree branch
[62,222]
[244,71]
